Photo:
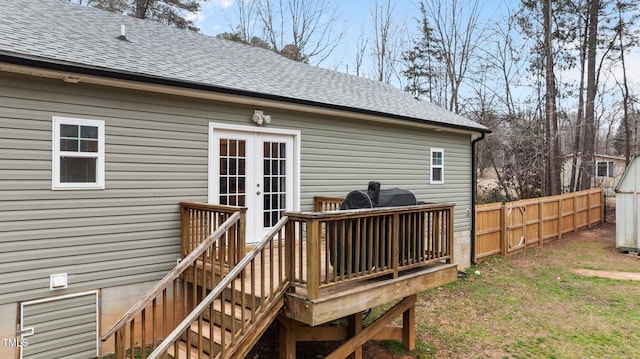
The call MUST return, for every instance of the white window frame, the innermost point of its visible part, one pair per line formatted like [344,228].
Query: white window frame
[433,166]
[610,165]
[57,154]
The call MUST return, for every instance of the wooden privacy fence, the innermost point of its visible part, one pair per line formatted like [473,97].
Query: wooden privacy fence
[514,226]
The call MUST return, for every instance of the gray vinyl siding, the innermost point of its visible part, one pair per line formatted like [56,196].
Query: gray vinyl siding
[63,328]
[346,155]
[156,155]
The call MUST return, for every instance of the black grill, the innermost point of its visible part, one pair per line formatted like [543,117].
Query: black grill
[343,234]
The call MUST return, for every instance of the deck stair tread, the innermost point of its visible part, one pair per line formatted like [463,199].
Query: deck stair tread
[206,332]
[239,312]
[182,352]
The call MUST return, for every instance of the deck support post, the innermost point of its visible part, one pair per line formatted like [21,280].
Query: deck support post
[372,329]
[409,325]
[287,337]
[354,327]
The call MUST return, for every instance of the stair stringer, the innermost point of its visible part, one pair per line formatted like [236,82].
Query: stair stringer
[248,340]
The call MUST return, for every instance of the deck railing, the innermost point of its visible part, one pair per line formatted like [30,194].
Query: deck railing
[199,220]
[326,249]
[327,204]
[243,304]
[166,304]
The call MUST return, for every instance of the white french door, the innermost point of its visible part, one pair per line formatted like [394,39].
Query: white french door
[256,170]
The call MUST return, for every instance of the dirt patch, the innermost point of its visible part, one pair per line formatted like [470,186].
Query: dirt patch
[607,274]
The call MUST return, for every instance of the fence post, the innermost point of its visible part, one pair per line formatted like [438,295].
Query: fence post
[560,215]
[602,205]
[575,212]
[588,208]
[503,230]
[541,221]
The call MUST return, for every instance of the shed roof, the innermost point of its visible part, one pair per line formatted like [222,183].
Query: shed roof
[56,34]
[630,181]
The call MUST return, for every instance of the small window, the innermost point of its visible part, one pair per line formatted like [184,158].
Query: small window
[78,154]
[437,166]
[604,169]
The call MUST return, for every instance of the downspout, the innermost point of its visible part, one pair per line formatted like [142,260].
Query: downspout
[474,180]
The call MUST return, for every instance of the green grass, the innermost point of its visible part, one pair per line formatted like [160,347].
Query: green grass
[533,306]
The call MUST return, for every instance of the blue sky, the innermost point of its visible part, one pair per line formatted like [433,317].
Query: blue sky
[355,15]
[216,15]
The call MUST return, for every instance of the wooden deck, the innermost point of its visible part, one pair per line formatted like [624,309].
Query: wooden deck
[313,268]
[341,300]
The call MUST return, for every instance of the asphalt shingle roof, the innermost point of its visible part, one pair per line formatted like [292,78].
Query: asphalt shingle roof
[61,33]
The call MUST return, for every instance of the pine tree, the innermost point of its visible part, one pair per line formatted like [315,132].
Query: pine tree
[419,60]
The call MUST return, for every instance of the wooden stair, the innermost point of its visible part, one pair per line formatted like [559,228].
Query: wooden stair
[182,352]
[207,338]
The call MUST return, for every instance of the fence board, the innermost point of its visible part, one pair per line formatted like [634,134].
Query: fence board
[489,236]
[514,226]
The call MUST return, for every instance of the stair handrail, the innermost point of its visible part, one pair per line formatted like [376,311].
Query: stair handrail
[162,348]
[184,264]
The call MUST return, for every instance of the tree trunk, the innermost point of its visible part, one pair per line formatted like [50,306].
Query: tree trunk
[625,97]
[575,177]
[589,130]
[141,8]
[551,132]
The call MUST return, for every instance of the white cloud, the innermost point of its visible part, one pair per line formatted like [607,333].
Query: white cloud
[223,3]
[210,18]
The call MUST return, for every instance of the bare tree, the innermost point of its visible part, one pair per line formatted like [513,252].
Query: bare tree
[243,21]
[387,41]
[361,49]
[303,30]
[506,57]
[458,34]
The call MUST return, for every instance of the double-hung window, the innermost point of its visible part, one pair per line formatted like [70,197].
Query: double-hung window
[604,169]
[437,166]
[78,153]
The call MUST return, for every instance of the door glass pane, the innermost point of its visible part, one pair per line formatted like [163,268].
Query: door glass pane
[223,147]
[232,172]
[274,154]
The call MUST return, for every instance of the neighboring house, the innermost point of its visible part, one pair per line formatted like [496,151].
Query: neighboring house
[107,122]
[606,172]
